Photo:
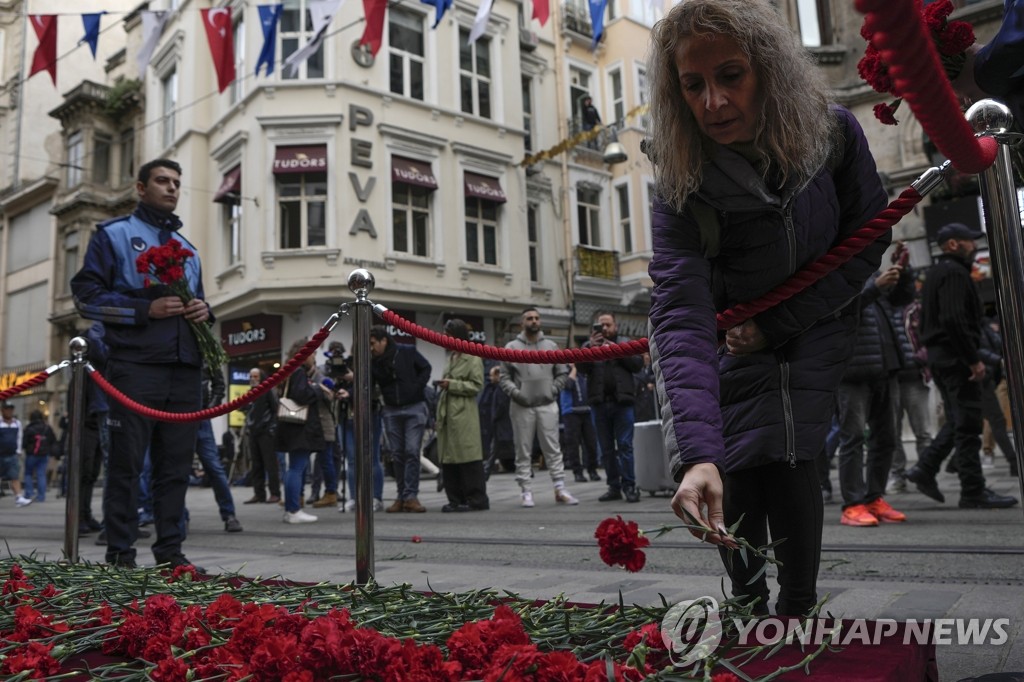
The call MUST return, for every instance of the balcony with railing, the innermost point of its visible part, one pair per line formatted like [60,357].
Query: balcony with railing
[576,22]
[596,263]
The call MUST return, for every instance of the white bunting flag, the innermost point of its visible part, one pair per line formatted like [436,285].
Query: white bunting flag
[152,27]
[320,13]
[483,13]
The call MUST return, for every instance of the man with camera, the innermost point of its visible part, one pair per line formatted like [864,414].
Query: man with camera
[328,462]
[611,394]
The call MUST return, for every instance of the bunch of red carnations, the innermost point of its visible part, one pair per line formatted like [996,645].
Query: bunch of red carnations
[167,264]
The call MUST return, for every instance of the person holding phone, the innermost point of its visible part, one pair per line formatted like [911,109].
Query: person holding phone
[611,392]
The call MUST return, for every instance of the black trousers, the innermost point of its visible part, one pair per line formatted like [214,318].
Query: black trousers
[171,445]
[466,484]
[264,472]
[579,430]
[961,400]
[787,502]
[92,459]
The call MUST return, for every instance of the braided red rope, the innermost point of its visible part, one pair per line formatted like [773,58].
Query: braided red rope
[836,256]
[537,357]
[277,377]
[25,385]
[918,77]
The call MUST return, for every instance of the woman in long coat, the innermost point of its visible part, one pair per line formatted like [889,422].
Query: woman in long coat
[458,428]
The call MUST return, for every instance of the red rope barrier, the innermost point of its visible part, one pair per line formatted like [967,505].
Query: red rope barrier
[277,377]
[25,385]
[918,77]
[836,256]
[542,357]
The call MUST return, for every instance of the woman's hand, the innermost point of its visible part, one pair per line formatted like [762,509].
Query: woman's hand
[698,502]
[745,338]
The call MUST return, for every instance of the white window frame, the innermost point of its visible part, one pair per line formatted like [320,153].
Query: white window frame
[478,81]
[529,140]
[304,201]
[533,242]
[302,37]
[236,91]
[588,217]
[624,218]
[168,106]
[75,158]
[640,79]
[231,217]
[617,95]
[581,83]
[408,58]
[410,211]
[480,223]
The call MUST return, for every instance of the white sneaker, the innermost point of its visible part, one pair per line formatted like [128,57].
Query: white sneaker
[528,499]
[298,517]
[350,505]
[22,501]
[895,484]
[378,505]
[563,496]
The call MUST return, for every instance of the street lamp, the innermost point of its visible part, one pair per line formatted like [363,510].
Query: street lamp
[614,152]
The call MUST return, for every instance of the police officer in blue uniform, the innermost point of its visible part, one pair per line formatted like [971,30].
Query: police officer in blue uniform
[154,359]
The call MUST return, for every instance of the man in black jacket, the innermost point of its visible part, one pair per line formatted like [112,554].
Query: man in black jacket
[260,425]
[951,319]
[867,396]
[611,394]
[402,374]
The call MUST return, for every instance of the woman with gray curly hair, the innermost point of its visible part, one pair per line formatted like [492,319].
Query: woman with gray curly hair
[757,176]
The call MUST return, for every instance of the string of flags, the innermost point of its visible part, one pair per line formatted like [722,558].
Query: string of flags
[218,23]
[577,139]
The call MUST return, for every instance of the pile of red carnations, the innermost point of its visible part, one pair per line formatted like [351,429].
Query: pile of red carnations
[113,624]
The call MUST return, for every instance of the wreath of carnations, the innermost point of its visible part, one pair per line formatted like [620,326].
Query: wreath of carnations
[951,38]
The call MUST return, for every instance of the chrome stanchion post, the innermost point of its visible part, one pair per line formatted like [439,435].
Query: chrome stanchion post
[1005,239]
[76,422]
[361,283]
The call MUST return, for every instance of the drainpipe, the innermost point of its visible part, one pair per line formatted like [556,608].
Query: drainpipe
[563,134]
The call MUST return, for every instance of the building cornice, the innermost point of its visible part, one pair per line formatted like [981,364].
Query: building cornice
[17,199]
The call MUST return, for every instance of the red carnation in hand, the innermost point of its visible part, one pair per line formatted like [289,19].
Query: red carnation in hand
[620,542]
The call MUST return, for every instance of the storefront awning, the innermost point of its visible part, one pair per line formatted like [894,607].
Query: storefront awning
[300,159]
[412,172]
[230,190]
[483,187]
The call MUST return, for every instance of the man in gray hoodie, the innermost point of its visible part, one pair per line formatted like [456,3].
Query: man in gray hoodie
[533,390]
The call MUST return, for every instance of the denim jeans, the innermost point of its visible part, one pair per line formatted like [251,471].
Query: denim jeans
[350,458]
[614,424]
[912,400]
[404,426]
[325,472]
[206,448]
[298,461]
[35,475]
[868,404]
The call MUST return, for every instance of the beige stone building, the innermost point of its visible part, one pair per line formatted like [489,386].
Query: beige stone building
[407,163]
[37,159]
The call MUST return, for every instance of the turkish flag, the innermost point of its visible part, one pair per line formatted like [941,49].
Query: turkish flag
[222,44]
[541,10]
[45,57]
[374,10]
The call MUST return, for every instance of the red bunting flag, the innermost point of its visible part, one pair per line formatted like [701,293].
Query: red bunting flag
[374,10]
[45,57]
[541,10]
[222,44]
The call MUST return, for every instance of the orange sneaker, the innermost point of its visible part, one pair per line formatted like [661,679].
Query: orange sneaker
[885,513]
[858,515]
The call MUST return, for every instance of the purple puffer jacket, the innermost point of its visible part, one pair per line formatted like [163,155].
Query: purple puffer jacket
[774,405]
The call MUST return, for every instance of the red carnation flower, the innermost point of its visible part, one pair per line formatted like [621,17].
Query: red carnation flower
[724,677]
[886,113]
[620,542]
[935,14]
[33,658]
[170,669]
[958,36]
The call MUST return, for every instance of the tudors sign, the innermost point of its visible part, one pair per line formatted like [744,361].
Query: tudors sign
[251,335]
